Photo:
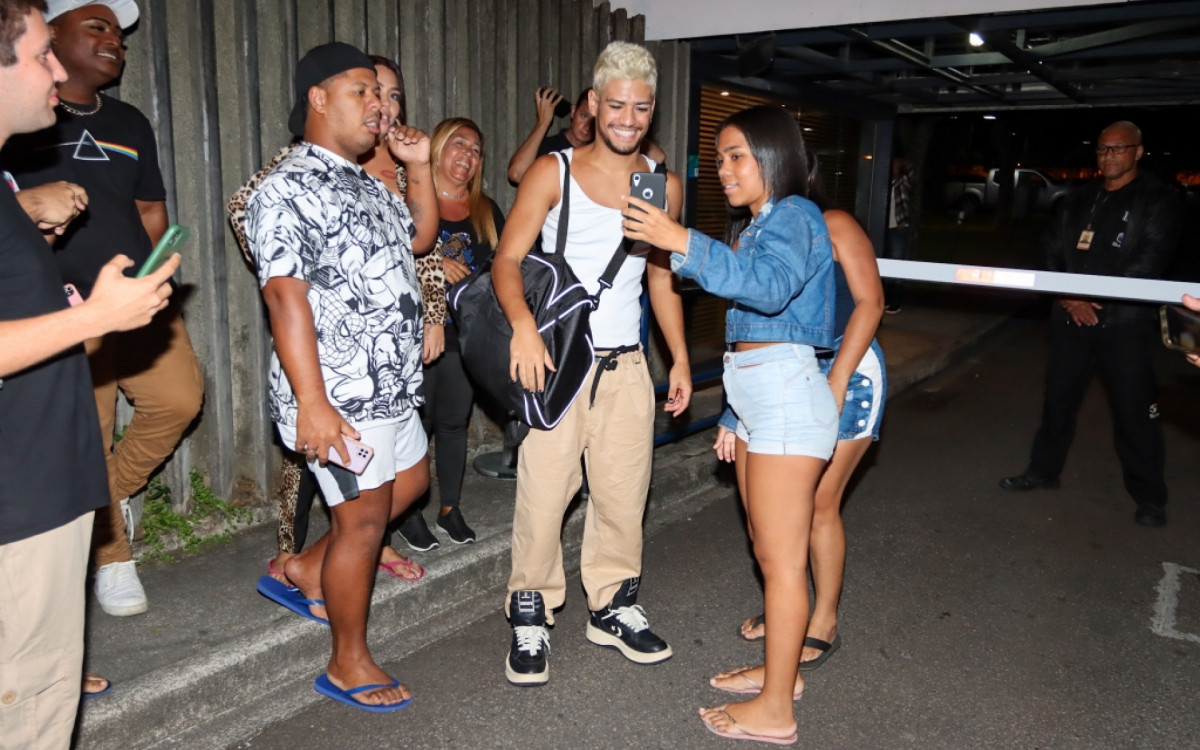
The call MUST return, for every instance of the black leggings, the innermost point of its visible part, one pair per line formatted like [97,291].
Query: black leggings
[445,416]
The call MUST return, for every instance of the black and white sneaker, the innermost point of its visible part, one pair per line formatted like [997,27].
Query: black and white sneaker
[416,533]
[527,665]
[622,625]
[453,524]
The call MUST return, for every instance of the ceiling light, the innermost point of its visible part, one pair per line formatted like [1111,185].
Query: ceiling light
[989,117]
[724,93]
[975,39]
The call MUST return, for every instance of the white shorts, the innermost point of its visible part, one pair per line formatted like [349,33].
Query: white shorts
[398,446]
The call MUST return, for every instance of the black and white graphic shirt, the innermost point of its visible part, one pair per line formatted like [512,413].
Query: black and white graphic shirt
[322,219]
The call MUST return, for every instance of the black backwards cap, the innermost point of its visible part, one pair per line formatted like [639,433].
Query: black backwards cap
[317,65]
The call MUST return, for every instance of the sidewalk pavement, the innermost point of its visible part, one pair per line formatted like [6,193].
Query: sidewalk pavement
[212,661]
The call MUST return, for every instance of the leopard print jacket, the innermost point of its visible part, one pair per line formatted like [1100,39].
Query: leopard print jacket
[429,266]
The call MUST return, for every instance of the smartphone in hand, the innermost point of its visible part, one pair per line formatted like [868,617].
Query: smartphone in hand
[171,241]
[1180,328]
[650,187]
[360,455]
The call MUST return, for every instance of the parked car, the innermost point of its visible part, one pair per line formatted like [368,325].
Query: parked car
[1032,191]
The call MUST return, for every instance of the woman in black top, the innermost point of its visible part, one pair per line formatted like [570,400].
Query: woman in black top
[470,225]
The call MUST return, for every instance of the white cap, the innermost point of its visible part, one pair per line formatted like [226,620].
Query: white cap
[125,10]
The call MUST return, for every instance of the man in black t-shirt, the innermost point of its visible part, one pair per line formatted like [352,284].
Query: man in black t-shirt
[52,473]
[537,143]
[1125,224]
[108,147]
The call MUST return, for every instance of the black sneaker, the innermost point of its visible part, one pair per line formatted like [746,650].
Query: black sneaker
[622,625]
[1150,515]
[1029,480]
[526,665]
[453,524]
[416,534]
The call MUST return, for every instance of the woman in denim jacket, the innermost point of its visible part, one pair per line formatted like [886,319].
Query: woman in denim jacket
[856,371]
[784,417]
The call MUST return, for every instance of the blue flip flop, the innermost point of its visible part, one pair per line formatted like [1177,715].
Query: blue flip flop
[290,598]
[107,689]
[326,688]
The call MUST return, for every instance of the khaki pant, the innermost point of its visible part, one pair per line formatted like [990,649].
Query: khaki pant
[616,438]
[158,372]
[41,636]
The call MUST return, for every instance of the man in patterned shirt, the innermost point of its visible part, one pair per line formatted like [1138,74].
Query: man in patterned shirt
[333,249]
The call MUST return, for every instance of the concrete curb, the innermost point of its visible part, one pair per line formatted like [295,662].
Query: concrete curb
[215,698]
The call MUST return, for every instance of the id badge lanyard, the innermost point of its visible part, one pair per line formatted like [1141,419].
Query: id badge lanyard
[1085,237]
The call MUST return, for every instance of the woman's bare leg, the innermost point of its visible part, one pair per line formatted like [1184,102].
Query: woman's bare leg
[827,542]
[779,501]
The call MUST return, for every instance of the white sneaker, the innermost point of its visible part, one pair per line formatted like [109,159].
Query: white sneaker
[119,591]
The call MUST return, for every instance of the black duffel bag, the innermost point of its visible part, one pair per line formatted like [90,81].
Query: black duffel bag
[561,306]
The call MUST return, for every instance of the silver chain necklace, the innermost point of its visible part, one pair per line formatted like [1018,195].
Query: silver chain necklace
[80,112]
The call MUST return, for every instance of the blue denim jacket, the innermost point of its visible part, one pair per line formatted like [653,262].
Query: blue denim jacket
[780,279]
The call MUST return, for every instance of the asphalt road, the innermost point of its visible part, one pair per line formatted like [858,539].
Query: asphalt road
[971,618]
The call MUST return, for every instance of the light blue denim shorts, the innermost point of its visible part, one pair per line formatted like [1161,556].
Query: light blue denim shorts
[862,410]
[782,401]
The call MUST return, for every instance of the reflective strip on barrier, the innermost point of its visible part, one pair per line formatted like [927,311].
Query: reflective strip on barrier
[1049,282]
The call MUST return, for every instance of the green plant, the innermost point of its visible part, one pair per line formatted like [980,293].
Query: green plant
[206,504]
[160,520]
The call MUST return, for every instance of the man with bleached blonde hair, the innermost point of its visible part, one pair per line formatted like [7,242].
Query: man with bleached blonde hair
[611,423]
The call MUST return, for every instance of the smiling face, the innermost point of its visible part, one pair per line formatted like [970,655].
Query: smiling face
[622,110]
[90,44]
[460,159]
[347,110]
[391,95]
[29,84]
[739,172]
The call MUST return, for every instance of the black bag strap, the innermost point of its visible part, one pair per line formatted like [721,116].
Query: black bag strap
[614,265]
[564,213]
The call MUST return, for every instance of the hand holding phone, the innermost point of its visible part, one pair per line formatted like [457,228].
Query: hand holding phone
[360,455]
[171,240]
[1180,328]
[650,187]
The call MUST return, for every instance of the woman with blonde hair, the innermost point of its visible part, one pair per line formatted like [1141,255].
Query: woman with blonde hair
[469,227]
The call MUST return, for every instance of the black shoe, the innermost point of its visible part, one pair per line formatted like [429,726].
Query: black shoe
[1029,481]
[527,664]
[453,524]
[1150,515]
[416,534]
[622,625]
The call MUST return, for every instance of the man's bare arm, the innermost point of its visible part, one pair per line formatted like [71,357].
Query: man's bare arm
[154,219]
[545,100]
[118,303]
[665,300]
[537,195]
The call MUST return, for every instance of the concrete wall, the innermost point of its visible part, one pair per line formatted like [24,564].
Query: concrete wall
[214,77]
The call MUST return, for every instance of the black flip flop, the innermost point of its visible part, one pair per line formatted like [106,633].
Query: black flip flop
[759,620]
[826,649]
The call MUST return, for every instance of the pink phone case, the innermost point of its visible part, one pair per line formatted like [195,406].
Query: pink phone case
[73,295]
[360,455]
